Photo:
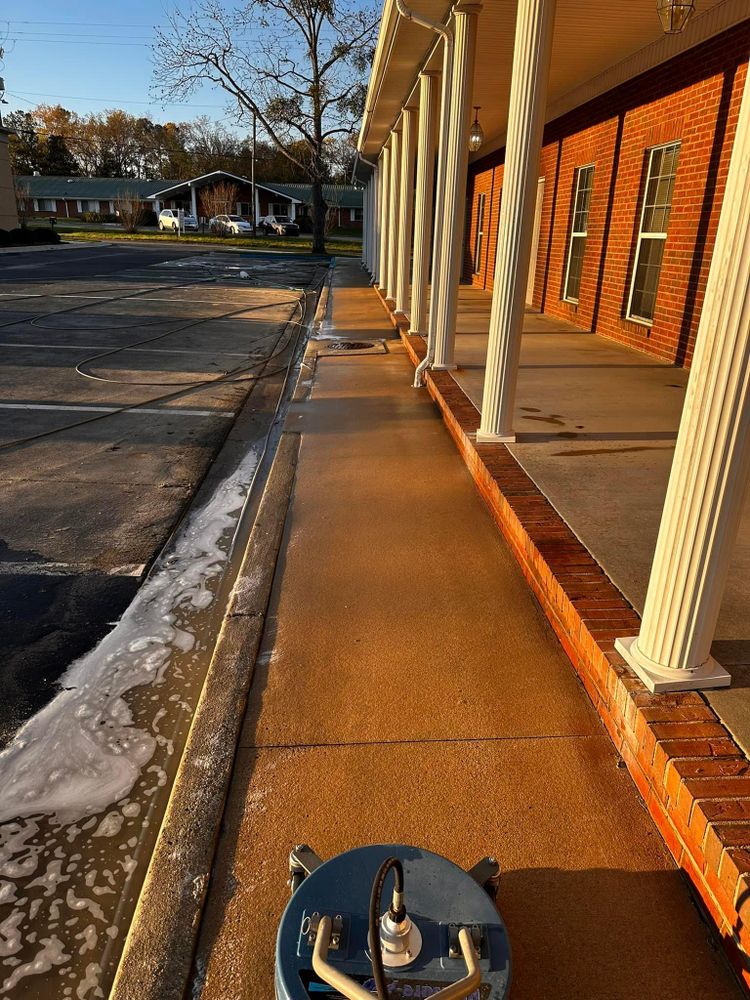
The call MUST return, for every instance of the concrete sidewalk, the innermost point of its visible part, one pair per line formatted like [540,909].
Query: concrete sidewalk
[410,689]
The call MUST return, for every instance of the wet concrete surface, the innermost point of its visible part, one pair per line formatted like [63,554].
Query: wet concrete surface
[409,690]
[87,507]
[87,779]
[596,424]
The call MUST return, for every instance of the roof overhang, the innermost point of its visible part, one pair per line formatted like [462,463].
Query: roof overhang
[216,175]
[595,47]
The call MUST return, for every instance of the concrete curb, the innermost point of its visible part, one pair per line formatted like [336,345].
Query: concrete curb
[156,960]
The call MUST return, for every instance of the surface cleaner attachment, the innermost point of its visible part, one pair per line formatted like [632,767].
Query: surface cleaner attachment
[440,937]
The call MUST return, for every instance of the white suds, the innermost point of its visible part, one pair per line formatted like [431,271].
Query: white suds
[69,775]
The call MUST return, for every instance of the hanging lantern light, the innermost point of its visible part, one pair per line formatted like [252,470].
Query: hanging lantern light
[476,135]
[674,14]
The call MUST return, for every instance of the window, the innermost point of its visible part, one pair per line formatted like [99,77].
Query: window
[47,205]
[355,215]
[85,205]
[479,237]
[578,233]
[245,208]
[277,208]
[657,204]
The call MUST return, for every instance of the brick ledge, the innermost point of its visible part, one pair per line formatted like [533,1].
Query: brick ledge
[692,776]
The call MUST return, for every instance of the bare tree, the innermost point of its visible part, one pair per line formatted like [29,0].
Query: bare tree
[298,65]
[130,210]
[219,199]
[333,200]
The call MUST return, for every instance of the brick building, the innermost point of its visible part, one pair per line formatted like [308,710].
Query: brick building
[601,153]
[565,171]
[76,197]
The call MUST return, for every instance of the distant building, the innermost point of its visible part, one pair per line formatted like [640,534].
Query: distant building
[8,215]
[73,197]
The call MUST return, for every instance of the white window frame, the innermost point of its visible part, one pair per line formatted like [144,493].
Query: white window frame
[577,233]
[643,320]
[356,215]
[479,235]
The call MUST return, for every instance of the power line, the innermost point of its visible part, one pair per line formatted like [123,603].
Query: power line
[111,100]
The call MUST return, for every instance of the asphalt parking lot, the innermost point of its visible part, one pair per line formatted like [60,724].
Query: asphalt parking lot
[121,372]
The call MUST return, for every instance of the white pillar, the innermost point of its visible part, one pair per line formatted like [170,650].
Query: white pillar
[375,222]
[406,208]
[426,147]
[365,259]
[453,195]
[385,174]
[393,188]
[711,464]
[193,201]
[528,92]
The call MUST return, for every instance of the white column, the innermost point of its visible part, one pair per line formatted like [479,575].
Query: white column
[528,93]
[385,174]
[426,147]
[711,464]
[365,227]
[406,208]
[453,195]
[393,188]
[375,222]
[193,201]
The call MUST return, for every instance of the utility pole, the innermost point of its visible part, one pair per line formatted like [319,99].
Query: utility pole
[252,176]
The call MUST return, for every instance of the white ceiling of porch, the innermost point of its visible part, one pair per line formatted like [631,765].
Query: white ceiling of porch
[590,37]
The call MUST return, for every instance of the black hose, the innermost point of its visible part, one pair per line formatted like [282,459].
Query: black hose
[376,954]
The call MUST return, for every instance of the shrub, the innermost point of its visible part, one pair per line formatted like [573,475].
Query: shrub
[90,217]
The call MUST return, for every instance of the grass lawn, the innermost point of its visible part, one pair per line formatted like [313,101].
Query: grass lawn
[340,246]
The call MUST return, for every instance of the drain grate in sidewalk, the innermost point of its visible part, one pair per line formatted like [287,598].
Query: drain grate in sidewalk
[330,347]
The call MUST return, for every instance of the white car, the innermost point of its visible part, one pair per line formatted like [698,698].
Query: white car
[233,224]
[169,218]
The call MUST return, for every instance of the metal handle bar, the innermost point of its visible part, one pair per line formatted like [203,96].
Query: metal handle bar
[353,991]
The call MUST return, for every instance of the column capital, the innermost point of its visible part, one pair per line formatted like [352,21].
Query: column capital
[430,73]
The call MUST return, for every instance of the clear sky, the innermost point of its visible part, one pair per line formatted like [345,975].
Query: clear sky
[88,55]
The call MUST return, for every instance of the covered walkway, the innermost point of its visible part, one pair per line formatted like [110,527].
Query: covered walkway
[408,688]
[596,425]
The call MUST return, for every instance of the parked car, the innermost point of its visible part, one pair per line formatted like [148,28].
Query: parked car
[282,225]
[169,218]
[230,224]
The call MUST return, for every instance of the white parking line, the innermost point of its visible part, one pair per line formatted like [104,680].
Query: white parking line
[125,347]
[66,569]
[116,409]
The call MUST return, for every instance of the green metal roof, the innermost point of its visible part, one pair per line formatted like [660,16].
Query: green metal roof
[109,188]
[90,187]
[343,195]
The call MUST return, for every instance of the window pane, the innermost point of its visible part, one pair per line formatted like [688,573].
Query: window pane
[479,238]
[579,230]
[575,267]
[646,281]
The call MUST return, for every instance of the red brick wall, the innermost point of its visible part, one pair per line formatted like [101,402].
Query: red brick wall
[694,98]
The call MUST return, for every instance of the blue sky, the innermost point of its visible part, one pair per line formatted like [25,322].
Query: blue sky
[88,56]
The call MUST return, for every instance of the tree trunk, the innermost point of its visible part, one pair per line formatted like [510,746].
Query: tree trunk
[318,217]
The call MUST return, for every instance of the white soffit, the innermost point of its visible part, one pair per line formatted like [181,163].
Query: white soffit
[596,46]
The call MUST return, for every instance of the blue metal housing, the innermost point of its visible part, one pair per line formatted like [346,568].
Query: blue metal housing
[437,894]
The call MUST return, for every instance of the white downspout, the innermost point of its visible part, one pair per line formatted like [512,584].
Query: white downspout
[445,107]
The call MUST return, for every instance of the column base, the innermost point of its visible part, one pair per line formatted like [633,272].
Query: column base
[661,679]
[483,437]
[444,368]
